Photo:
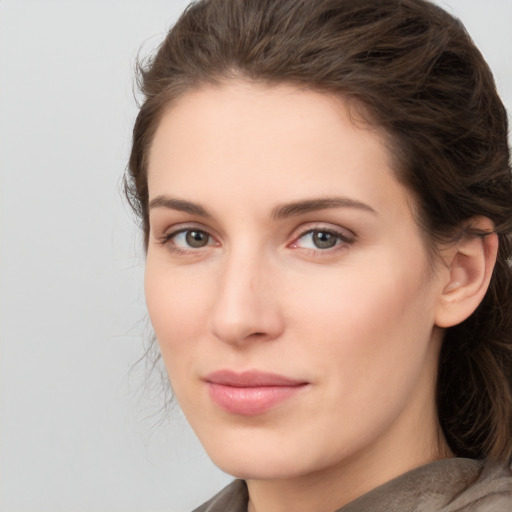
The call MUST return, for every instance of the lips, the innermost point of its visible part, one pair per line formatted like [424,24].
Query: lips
[251,393]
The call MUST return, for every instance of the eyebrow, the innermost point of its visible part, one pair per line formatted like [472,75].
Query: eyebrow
[312,205]
[279,212]
[179,205]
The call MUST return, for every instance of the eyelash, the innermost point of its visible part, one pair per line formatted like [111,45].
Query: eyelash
[342,240]
[167,240]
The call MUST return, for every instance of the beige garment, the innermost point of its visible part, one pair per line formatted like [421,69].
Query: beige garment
[449,485]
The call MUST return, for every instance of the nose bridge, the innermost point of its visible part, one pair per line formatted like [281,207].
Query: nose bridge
[246,307]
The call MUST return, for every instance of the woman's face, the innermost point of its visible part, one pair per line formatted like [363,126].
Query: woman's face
[288,284]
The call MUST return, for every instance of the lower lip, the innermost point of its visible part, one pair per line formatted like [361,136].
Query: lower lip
[250,401]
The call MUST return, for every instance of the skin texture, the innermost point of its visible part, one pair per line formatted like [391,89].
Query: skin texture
[356,321]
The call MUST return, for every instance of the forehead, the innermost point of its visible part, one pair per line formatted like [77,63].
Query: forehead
[271,140]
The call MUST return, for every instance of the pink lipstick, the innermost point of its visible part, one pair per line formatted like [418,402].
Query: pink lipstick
[252,392]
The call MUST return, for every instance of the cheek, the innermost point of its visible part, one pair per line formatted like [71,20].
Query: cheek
[176,309]
[366,326]
[177,306]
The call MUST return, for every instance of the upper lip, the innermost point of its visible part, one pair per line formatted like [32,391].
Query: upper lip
[250,379]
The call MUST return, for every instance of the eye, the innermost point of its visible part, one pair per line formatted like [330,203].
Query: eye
[321,239]
[192,238]
[188,239]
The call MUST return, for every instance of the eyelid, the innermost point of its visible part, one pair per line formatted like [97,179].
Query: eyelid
[172,232]
[180,227]
[346,236]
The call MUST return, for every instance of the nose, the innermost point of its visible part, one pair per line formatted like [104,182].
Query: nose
[246,308]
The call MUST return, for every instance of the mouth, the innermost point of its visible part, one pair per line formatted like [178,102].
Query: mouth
[251,393]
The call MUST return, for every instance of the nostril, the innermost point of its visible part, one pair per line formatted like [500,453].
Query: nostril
[258,335]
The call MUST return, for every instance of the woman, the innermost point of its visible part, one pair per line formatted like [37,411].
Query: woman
[326,199]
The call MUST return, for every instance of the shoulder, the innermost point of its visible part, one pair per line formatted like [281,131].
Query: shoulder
[449,485]
[232,498]
[490,491]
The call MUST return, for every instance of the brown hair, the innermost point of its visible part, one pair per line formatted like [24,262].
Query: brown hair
[418,74]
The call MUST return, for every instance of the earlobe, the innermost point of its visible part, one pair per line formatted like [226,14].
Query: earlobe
[470,264]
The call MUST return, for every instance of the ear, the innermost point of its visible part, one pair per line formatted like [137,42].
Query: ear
[469,263]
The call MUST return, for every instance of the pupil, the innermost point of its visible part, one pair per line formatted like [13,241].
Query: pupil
[324,240]
[196,238]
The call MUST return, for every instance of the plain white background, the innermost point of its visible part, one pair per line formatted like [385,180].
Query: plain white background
[77,432]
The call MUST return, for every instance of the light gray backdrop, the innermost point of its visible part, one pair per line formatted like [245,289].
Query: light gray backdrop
[76,433]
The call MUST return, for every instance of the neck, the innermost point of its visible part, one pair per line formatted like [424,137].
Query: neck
[331,488]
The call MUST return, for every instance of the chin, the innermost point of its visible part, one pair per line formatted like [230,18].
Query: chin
[262,468]
[262,456]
